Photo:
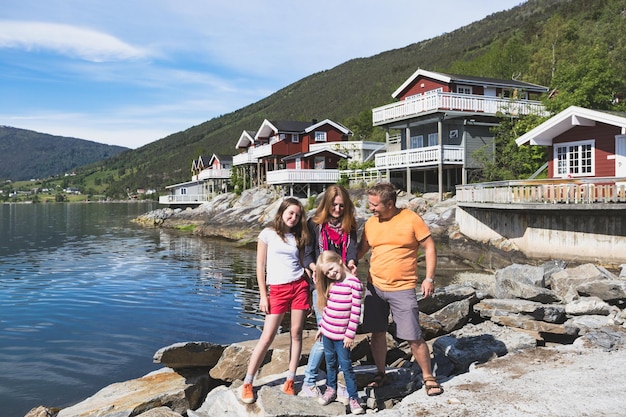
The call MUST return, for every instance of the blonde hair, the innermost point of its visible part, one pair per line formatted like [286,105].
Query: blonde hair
[323,282]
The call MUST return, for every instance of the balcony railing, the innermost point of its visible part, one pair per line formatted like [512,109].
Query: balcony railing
[553,191]
[186,198]
[244,158]
[420,157]
[261,151]
[299,176]
[208,174]
[453,102]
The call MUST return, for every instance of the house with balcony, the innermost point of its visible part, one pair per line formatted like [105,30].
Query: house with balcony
[209,176]
[438,123]
[299,157]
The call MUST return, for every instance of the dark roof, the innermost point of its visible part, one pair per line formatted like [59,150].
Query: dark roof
[290,126]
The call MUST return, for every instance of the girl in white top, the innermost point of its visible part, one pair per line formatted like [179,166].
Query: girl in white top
[283,286]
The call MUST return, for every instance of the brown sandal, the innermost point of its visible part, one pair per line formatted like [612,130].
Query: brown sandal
[379,380]
[432,386]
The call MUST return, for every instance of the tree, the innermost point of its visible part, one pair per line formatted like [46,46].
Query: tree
[590,82]
[510,162]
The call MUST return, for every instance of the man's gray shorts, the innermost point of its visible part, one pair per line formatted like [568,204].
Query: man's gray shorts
[404,311]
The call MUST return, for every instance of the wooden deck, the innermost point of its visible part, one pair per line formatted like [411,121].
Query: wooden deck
[552,191]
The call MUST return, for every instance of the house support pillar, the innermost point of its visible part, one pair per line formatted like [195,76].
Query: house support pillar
[440,167]
[408,180]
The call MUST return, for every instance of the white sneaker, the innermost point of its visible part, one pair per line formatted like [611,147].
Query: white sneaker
[309,391]
[342,394]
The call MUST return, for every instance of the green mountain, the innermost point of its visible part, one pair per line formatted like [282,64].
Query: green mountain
[568,45]
[25,154]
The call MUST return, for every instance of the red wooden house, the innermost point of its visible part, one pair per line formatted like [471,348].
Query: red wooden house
[294,155]
[582,143]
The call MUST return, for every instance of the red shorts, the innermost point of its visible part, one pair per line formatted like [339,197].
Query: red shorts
[287,297]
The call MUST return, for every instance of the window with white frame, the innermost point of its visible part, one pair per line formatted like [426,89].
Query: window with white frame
[432,139]
[183,191]
[574,159]
[320,136]
[295,138]
[464,89]
[416,141]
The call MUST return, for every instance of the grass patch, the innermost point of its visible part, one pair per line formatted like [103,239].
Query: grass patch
[187,228]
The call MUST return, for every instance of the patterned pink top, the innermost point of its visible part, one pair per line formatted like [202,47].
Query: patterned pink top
[342,313]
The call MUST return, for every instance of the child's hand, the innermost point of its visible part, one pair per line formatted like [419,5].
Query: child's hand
[347,342]
[318,335]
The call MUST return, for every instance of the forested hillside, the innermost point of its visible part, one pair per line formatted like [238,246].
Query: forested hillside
[576,47]
[25,154]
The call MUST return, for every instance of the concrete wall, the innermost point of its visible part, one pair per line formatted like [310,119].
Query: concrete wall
[584,234]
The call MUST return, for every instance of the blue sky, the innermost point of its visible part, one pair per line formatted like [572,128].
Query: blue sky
[130,72]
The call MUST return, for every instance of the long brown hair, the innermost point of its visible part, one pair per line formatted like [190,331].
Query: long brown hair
[322,213]
[323,282]
[300,230]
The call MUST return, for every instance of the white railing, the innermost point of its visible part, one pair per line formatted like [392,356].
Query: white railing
[185,198]
[420,157]
[551,191]
[261,151]
[290,176]
[210,173]
[244,158]
[367,176]
[454,102]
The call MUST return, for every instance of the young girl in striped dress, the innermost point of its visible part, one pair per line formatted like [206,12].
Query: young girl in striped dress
[339,299]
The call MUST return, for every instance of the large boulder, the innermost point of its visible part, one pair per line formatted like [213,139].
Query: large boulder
[159,388]
[189,355]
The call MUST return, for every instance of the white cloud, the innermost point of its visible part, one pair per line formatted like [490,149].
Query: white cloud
[67,40]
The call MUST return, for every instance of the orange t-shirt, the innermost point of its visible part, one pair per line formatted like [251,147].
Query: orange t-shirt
[394,243]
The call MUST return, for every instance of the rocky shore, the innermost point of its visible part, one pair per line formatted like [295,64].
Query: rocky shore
[521,339]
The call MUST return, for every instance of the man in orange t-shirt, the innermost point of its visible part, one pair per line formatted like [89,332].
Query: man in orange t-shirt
[394,235]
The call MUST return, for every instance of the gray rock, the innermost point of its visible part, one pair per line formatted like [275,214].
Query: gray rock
[564,282]
[606,338]
[189,355]
[607,290]
[445,296]
[160,412]
[586,306]
[553,313]
[525,282]
[480,343]
[160,388]
[453,316]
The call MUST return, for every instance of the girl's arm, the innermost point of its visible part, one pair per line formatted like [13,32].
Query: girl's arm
[352,259]
[355,312]
[261,260]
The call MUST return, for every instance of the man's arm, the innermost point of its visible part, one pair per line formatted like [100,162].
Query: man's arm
[430,252]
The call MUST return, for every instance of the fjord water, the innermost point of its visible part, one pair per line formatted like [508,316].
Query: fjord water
[87,297]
